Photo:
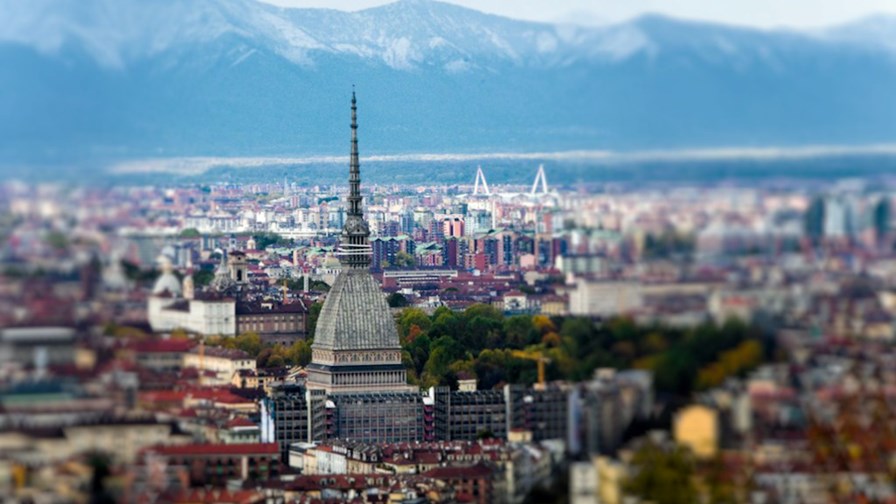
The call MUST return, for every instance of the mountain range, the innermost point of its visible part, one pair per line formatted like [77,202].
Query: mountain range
[85,81]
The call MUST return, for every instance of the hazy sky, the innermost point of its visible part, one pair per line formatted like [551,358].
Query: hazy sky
[760,13]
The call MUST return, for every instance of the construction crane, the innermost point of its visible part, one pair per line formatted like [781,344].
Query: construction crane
[538,357]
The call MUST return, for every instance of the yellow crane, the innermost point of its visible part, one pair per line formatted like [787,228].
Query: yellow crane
[538,357]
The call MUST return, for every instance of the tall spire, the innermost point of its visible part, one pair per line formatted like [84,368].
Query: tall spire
[354,178]
[355,246]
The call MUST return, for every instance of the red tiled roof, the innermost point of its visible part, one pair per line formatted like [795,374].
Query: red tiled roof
[217,496]
[469,472]
[163,396]
[164,346]
[217,449]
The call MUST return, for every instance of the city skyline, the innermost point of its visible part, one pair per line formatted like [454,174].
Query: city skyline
[644,262]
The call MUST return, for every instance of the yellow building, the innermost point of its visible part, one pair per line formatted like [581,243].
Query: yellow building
[697,427]
[610,476]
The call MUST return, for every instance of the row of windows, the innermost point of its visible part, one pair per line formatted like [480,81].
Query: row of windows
[269,318]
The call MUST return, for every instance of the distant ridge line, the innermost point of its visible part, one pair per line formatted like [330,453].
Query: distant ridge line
[200,164]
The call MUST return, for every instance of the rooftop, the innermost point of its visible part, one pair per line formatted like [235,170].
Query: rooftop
[218,449]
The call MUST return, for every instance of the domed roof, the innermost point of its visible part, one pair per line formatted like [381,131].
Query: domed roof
[167,282]
[355,315]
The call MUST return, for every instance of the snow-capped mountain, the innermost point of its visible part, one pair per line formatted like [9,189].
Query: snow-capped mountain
[403,35]
[119,78]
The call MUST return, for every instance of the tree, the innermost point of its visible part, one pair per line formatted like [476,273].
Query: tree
[299,354]
[265,240]
[580,330]
[445,351]
[519,331]
[313,315]
[319,286]
[404,260]
[249,343]
[543,324]
[413,317]
[203,277]
[551,339]
[190,233]
[446,323]
[676,371]
[418,350]
[397,300]
[662,475]
[263,357]
[483,310]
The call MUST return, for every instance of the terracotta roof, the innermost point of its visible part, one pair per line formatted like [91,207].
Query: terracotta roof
[217,449]
[469,472]
[217,496]
[163,346]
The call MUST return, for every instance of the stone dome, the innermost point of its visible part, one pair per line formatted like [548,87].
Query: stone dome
[355,315]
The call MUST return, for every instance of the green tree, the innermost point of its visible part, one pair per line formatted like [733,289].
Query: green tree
[190,233]
[483,310]
[418,351]
[662,475]
[249,343]
[519,331]
[319,286]
[265,240]
[445,351]
[397,300]
[261,361]
[299,354]
[676,371]
[404,260]
[412,317]
[579,330]
[313,315]
[202,278]
[446,323]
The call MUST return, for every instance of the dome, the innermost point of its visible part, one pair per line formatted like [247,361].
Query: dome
[167,282]
[355,315]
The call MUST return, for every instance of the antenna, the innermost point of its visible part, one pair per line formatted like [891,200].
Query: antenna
[540,177]
[480,176]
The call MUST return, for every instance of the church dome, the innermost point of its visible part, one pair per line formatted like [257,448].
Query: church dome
[167,282]
[355,315]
